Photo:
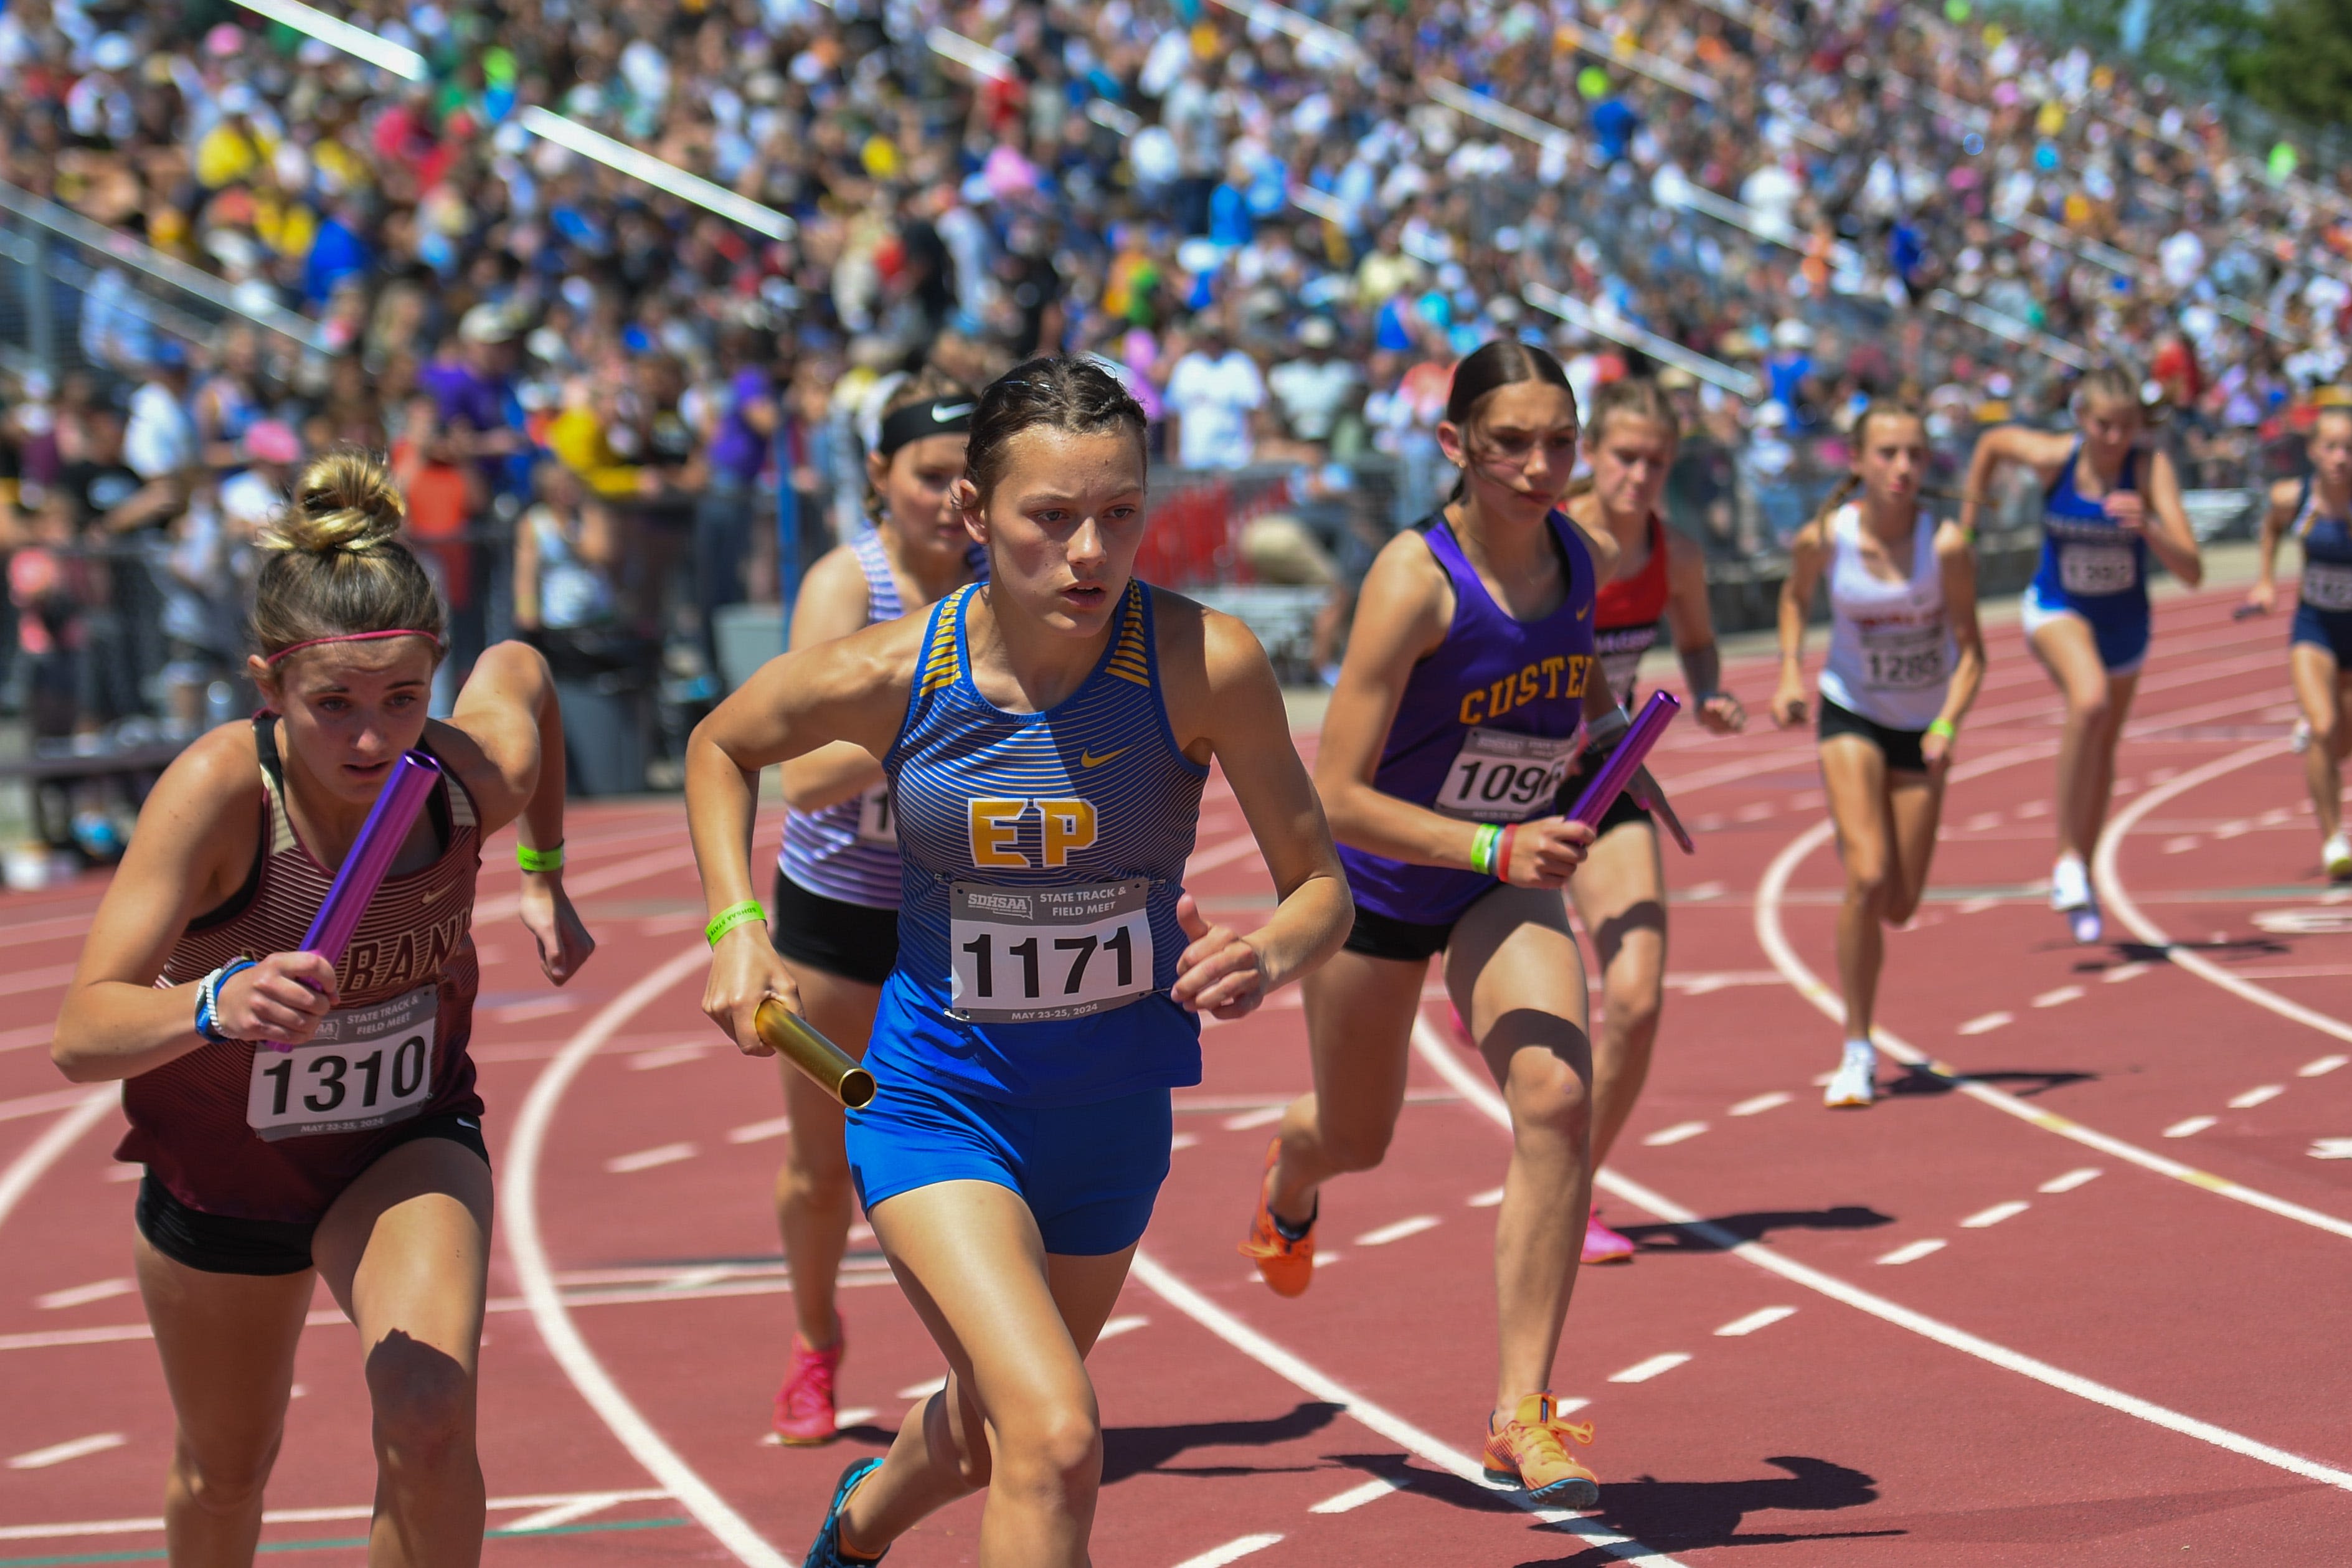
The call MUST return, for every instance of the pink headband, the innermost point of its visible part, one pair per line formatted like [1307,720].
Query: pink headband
[350,636]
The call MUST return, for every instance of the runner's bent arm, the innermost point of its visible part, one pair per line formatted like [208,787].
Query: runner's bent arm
[851,689]
[188,855]
[1958,559]
[2277,519]
[2041,450]
[1808,553]
[832,604]
[1406,607]
[1692,621]
[2169,534]
[1224,703]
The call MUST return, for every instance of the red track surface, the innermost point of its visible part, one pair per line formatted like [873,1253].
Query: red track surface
[2136,1367]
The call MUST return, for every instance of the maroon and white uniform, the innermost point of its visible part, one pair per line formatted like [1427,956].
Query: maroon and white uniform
[253,1133]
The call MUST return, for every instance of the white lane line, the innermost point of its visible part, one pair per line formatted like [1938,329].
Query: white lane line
[563,1513]
[36,979]
[59,1453]
[1398,1231]
[597,882]
[1309,1379]
[1774,939]
[1762,1318]
[1987,1023]
[1183,1140]
[761,1132]
[923,1390]
[1474,1089]
[2060,997]
[2119,900]
[1355,1497]
[1762,1103]
[41,1104]
[1217,855]
[1117,1326]
[2190,1126]
[1491,1198]
[1264,1117]
[154,1525]
[1984,1219]
[528,1250]
[1642,1370]
[82,1294]
[2253,1097]
[646,1159]
[1231,1551]
[1680,1132]
[2321,1068]
[2123,971]
[1913,1252]
[668,1056]
[2069,1181]
[2330,1149]
[50,1147]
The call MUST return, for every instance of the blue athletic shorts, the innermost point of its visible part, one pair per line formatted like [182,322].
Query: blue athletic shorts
[2330,629]
[2120,630]
[1088,1172]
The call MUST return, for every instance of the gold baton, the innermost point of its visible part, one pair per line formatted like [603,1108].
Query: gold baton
[829,1066]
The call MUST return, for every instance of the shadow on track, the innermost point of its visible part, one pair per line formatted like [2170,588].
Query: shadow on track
[1136,1450]
[1674,1238]
[2022,1082]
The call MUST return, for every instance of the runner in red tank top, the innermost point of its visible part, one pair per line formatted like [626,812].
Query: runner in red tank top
[1621,894]
[347,1142]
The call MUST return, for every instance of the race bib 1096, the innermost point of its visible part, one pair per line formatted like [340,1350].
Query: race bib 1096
[1021,955]
[2097,568]
[365,1067]
[1498,776]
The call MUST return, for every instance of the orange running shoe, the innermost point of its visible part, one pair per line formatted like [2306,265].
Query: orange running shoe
[1531,1451]
[1287,1266]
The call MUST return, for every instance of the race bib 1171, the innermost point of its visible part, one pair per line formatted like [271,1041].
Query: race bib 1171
[1021,955]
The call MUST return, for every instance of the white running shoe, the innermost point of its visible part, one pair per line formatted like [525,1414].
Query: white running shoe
[2069,884]
[1854,1086]
[2337,853]
[2298,740]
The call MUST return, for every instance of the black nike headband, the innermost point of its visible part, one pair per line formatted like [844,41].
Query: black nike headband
[931,417]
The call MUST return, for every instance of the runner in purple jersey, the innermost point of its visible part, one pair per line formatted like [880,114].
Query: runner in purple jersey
[1454,721]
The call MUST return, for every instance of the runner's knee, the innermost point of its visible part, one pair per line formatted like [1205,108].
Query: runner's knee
[422,1400]
[226,1481]
[1633,990]
[1050,1452]
[1867,884]
[1546,1096]
[818,1177]
[1349,1149]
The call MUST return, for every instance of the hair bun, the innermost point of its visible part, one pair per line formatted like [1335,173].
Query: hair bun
[344,502]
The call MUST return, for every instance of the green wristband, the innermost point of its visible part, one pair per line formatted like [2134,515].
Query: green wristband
[728,919]
[1942,726]
[1482,848]
[531,859]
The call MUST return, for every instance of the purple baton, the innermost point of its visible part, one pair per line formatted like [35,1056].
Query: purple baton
[1618,771]
[370,855]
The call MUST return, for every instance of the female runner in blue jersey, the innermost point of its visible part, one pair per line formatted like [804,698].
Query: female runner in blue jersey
[2107,504]
[837,878]
[2317,509]
[1046,736]
[1452,727]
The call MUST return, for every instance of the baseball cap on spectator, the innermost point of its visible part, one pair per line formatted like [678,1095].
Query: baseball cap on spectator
[272,441]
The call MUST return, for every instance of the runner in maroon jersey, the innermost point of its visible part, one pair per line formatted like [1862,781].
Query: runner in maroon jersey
[1630,437]
[349,1141]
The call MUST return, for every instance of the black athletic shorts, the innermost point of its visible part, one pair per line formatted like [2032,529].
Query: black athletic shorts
[856,942]
[1900,747]
[1409,941]
[223,1244]
[1620,811]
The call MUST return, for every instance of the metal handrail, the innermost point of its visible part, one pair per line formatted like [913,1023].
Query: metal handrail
[170,269]
[1617,330]
[2025,335]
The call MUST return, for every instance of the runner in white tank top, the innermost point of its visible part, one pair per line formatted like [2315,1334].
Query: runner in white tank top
[837,878]
[1906,660]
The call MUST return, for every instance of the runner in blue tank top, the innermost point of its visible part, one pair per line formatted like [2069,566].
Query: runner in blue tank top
[2108,504]
[1454,721]
[837,906]
[1047,737]
[2317,509]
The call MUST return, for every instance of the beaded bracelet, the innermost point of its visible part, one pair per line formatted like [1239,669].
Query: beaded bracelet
[531,859]
[730,917]
[208,992]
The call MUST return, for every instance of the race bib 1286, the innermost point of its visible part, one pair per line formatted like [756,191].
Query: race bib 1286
[1021,955]
[365,1067]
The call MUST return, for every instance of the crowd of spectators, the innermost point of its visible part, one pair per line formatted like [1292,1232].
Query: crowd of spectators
[616,415]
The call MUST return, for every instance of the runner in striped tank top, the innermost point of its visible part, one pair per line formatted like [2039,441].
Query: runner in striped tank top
[836,916]
[297,1119]
[2317,509]
[1458,714]
[1046,736]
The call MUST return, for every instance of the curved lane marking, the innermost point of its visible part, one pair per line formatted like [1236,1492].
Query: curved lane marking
[51,1145]
[1775,943]
[2119,900]
[529,1251]
[1478,1092]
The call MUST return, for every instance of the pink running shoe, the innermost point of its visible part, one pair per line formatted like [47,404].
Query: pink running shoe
[804,1403]
[1602,1245]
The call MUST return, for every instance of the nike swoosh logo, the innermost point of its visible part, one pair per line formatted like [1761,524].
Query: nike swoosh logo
[1584,612]
[943,412]
[1088,760]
